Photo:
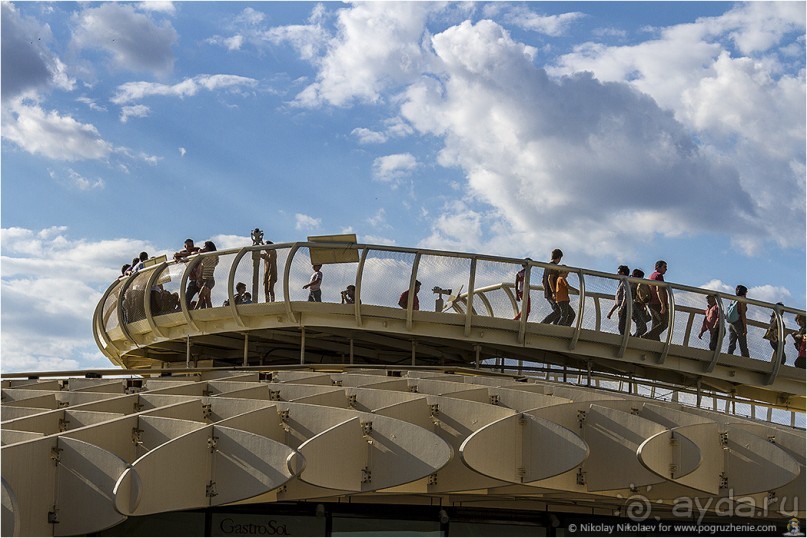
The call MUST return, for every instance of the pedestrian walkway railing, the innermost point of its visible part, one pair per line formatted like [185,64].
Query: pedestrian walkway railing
[470,292]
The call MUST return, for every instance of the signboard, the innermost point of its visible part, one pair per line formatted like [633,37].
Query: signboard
[245,524]
[341,254]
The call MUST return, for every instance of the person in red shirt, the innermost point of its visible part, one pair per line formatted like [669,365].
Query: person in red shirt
[658,304]
[710,320]
[404,300]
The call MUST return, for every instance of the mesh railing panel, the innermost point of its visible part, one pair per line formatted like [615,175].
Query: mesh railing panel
[386,275]
[491,274]
[445,272]
[690,310]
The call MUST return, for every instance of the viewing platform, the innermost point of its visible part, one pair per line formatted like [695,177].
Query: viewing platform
[470,324]
[318,413]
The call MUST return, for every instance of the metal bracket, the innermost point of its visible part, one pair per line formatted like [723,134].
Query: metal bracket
[210,489]
[724,480]
[136,436]
[772,439]
[53,515]
[336,382]
[522,419]
[434,410]
[634,410]
[366,428]
[207,410]
[581,418]
[581,477]
[413,388]
[352,400]
[724,440]
[137,406]
[494,399]
[63,424]
[433,479]
[274,395]
[366,475]
[55,454]
[212,443]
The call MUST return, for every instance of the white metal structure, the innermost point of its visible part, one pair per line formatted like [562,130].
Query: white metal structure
[344,402]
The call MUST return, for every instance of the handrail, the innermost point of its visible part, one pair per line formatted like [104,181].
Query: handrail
[115,348]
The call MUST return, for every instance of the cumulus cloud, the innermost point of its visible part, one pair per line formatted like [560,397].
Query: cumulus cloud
[393,168]
[134,111]
[372,38]
[551,25]
[51,284]
[135,91]
[133,40]
[27,64]
[52,135]
[675,136]
[368,136]
[306,222]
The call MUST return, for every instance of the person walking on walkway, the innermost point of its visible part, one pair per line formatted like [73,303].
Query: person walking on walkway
[548,282]
[658,304]
[738,324]
[621,299]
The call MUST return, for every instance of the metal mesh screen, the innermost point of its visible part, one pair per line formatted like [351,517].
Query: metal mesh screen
[690,310]
[386,275]
[491,281]
[600,293]
[444,272]
[134,297]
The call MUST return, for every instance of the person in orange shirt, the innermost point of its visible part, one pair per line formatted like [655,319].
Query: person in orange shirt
[567,314]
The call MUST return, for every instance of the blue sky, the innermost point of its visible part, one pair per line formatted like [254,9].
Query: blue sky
[619,132]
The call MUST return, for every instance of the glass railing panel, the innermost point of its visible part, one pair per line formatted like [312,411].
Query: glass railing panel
[134,297]
[166,298]
[109,313]
[448,273]
[491,280]
[386,276]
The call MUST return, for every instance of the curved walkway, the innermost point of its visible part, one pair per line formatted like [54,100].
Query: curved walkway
[144,320]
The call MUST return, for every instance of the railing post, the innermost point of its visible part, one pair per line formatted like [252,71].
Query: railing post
[628,316]
[411,296]
[359,280]
[670,324]
[286,271]
[780,345]
[580,310]
[469,298]
[721,331]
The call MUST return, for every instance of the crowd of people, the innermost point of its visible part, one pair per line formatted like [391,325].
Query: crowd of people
[649,302]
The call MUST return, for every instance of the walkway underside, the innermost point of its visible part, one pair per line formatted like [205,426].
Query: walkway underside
[315,333]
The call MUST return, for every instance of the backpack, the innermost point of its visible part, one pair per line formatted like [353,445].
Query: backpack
[733,313]
[642,293]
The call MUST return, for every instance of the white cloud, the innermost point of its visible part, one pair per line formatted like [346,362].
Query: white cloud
[367,136]
[159,6]
[52,135]
[27,64]
[92,104]
[393,168]
[134,41]
[377,46]
[182,151]
[82,183]
[379,219]
[306,222]
[135,91]
[51,284]
[134,111]
[551,25]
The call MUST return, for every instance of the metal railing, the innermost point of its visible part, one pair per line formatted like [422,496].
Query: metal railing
[133,304]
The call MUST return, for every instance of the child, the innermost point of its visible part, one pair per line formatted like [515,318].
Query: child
[567,315]
[711,317]
[313,286]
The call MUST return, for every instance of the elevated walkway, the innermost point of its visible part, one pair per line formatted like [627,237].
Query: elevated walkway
[144,320]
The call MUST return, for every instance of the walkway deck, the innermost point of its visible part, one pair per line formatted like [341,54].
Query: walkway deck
[468,328]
